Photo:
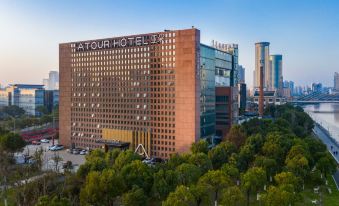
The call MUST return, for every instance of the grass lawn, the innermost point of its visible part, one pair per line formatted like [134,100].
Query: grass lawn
[10,198]
[327,199]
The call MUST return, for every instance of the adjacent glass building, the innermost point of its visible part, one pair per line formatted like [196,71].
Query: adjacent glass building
[215,71]
[26,96]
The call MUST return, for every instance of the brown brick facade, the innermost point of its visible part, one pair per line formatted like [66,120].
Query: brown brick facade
[143,83]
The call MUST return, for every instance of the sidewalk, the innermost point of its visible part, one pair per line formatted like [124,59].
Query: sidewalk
[331,146]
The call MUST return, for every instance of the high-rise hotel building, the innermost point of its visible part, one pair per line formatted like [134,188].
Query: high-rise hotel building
[154,90]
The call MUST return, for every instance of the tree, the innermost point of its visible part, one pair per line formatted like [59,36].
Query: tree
[91,193]
[125,158]
[13,111]
[95,161]
[231,170]
[221,153]
[236,136]
[202,161]
[200,194]
[215,180]
[256,141]
[111,156]
[165,181]
[38,158]
[200,147]
[326,164]
[42,110]
[55,201]
[252,180]
[188,173]
[276,196]
[270,165]
[180,197]
[112,185]
[245,157]
[9,144]
[139,174]
[297,162]
[72,187]
[232,196]
[134,197]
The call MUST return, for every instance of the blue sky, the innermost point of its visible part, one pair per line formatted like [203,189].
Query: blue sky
[305,32]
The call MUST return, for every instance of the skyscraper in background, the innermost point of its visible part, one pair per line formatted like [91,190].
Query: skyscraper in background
[262,55]
[276,71]
[52,82]
[289,85]
[241,74]
[336,81]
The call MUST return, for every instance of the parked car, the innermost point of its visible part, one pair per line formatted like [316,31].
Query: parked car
[76,151]
[83,152]
[35,143]
[56,147]
[44,141]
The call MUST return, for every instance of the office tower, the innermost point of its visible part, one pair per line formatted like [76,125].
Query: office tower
[156,90]
[26,96]
[262,61]
[276,70]
[241,74]
[336,81]
[51,99]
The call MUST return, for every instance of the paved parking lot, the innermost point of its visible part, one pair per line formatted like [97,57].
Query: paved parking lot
[48,163]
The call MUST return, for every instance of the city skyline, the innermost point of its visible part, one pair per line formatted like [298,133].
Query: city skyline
[297,30]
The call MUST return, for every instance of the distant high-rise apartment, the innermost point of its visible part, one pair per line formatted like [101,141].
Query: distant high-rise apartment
[262,60]
[336,81]
[276,71]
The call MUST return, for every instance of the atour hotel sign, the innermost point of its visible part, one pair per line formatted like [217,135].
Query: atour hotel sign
[119,42]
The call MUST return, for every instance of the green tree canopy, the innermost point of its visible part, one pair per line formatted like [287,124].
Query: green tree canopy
[139,174]
[215,180]
[134,197]
[236,135]
[232,196]
[200,147]
[180,197]
[188,173]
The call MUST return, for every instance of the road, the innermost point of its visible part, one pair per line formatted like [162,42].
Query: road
[331,146]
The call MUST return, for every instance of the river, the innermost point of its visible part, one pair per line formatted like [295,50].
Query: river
[327,115]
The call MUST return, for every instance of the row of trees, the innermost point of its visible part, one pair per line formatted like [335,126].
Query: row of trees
[261,160]
[14,117]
